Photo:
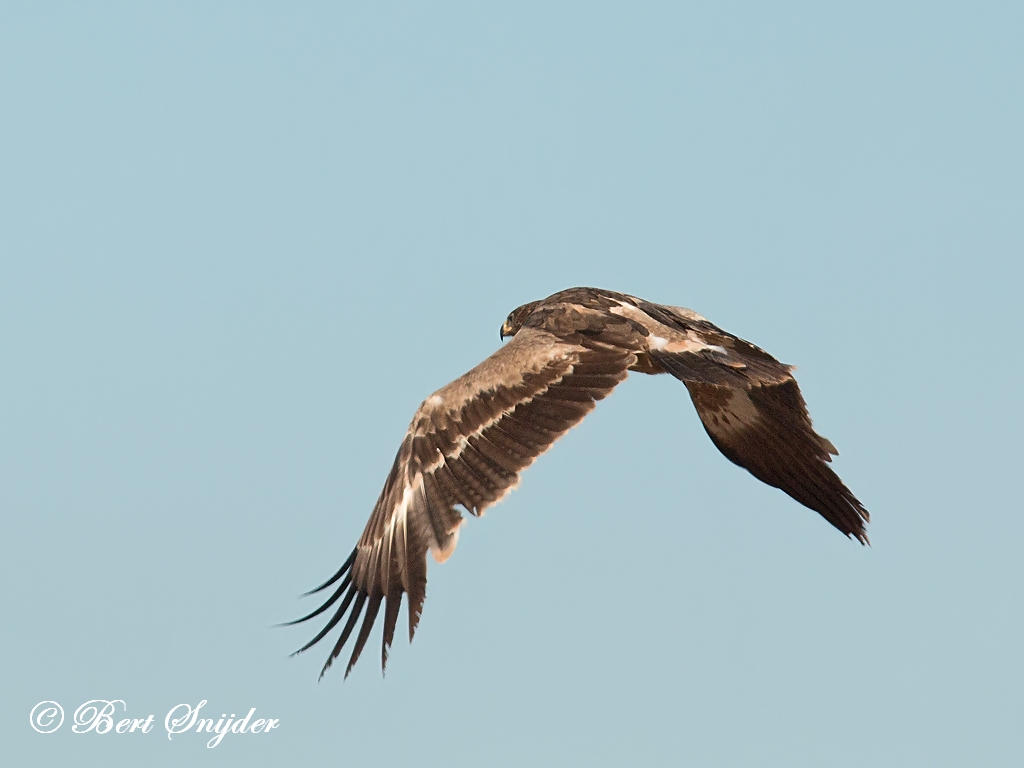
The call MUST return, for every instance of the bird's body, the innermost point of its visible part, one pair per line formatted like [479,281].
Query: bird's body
[470,440]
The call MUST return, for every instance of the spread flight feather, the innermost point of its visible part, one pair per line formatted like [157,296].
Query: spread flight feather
[469,442]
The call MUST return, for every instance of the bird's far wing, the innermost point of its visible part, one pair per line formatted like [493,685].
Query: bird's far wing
[466,445]
[766,430]
[753,411]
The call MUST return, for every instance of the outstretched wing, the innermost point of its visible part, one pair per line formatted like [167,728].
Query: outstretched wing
[767,431]
[753,410]
[466,446]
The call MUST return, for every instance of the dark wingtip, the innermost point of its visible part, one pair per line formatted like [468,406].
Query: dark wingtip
[341,572]
[324,670]
[372,607]
[333,598]
[352,591]
[859,531]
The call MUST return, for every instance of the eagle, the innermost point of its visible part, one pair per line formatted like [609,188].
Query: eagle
[469,442]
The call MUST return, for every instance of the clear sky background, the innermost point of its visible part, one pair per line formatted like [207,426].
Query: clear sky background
[240,243]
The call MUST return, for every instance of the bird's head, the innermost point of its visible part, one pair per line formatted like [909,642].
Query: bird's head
[516,319]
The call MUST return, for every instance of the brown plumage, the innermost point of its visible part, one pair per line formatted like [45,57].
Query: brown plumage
[469,441]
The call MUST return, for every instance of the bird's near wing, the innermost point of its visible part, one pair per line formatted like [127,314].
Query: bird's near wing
[466,446]
[753,410]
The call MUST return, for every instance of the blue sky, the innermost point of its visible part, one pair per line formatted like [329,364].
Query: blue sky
[240,243]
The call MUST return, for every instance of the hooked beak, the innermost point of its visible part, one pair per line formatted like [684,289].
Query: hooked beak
[506,330]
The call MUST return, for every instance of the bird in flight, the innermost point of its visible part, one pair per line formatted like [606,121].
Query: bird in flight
[470,440]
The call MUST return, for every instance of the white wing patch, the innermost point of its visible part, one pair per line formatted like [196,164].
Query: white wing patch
[400,516]
[688,345]
[399,523]
[662,338]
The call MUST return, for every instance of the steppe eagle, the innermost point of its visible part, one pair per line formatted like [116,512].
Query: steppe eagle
[470,440]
